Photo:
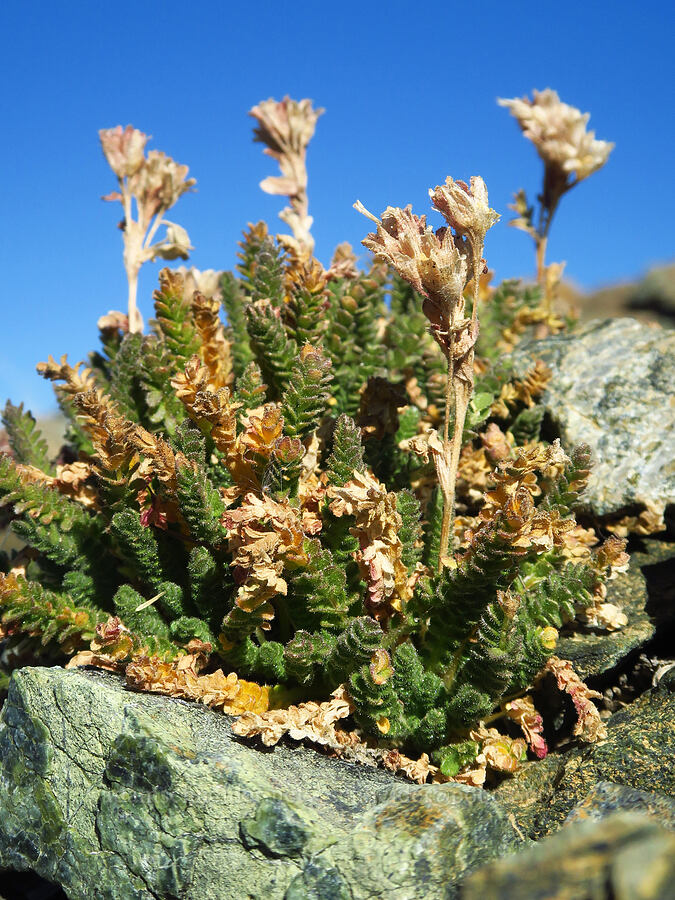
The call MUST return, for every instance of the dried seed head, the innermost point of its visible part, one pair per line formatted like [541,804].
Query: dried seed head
[428,260]
[124,148]
[466,209]
[286,128]
[159,184]
[558,131]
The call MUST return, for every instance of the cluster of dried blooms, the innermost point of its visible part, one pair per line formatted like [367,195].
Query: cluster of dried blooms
[439,265]
[148,187]
[286,127]
[338,491]
[570,154]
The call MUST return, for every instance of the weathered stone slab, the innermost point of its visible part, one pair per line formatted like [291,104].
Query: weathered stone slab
[624,857]
[607,798]
[612,388]
[124,796]
[645,593]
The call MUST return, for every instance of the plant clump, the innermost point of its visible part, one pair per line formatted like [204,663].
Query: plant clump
[338,491]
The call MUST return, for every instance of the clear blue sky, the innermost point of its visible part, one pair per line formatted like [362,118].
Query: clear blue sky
[409,90]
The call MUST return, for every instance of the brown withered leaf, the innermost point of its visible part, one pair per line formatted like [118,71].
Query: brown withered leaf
[377,526]
[307,721]
[522,391]
[578,543]
[500,752]
[74,380]
[264,536]
[343,263]
[215,350]
[519,523]
[607,616]
[262,427]
[474,473]
[498,446]
[418,770]
[70,480]
[74,480]
[589,726]
[544,320]
[524,713]
[650,520]
[179,678]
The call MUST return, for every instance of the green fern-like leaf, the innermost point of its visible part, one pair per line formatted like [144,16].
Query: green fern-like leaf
[174,320]
[29,608]
[126,382]
[234,304]
[275,353]
[264,271]
[305,400]
[318,597]
[200,503]
[162,409]
[408,507]
[25,438]
[354,647]
[251,388]
[347,454]
[53,524]
[565,493]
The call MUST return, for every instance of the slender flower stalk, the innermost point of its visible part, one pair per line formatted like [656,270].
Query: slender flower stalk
[286,127]
[155,183]
[570,154]
[438,264]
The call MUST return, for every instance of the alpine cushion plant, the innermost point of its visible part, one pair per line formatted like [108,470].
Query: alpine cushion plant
[341,492]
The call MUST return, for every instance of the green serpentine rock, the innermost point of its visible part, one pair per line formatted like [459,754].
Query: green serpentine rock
[123,796]
[624,857]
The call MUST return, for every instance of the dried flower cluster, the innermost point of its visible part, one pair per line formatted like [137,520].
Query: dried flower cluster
[152,184]
[286,127]
[257,512]
[558,132]
[438,265]
[570,154]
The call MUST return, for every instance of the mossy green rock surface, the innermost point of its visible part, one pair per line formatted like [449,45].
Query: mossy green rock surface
[625,857]
[123,796]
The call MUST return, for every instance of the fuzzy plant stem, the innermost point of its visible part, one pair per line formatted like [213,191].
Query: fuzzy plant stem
[132,251]
[136,250]
[460,391]
[548,204]
[448,491]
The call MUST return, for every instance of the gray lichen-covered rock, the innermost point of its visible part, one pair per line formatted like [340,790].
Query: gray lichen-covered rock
[612,388]
[124,796]
[624,857]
